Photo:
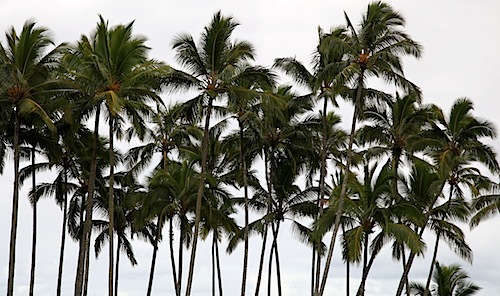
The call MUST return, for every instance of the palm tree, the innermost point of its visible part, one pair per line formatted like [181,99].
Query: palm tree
[172,194]
[169,133]
[211,66]
[113,64]
[454,143]
[327,65]
[26,67]
[449,280]
[374,49]
[391,129]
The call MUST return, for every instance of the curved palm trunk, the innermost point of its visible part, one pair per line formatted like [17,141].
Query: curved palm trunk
[111,206]
[199,196]
[63,233]
[433,262]
[84,251]
[403,259]
[181,254]
[245,189]
[15,206]
[35,214]
[266,227]
[219,274]
[338,214]
[153,259]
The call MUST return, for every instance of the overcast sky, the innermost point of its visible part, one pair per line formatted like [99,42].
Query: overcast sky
[461,58]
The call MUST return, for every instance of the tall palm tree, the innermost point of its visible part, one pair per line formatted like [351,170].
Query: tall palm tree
[113,64]
[322,83]
[211,68]
[449,280]
[374,49]
[26,65]
[454,143]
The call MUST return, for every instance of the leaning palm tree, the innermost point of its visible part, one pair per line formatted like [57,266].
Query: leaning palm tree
[26,66]
[374,49]
[449,280]
[114,65]
[211,68]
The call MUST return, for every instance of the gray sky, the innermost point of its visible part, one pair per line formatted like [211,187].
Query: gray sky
[461,59]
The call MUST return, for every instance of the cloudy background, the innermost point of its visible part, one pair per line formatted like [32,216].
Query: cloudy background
[461,40]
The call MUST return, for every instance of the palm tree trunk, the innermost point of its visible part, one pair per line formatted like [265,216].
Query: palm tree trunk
[266,225]
[338,214]
[361,288]
[347,268]
[213,264]
[111,208]
[219,273]
[403,259]
[277,258]
[63,232]
[181,254]
[245,189]
[83,254]
[199,196]
[15,206]
[269,269]
[313,270]
[35,212]
[118,245]
[261,260]
[87,268]
[321,192]
[433,262]
[172,258]
[153,259]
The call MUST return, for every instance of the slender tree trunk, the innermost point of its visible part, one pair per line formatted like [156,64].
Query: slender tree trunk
[199,196]
[245,189]
[403,258]
[266,225]
[338,214]
[118,246]
[172,258]
[88,211]
[87,267]
[270,269]
[433,262]
[111,205]
[366,270]
[313,270]
[347,268]
[219,273]
[63,232]
[361,289]
[213,265]
[153,259]
[321,193]
[181,254]
[15,206]
[277,258]
[35,214]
